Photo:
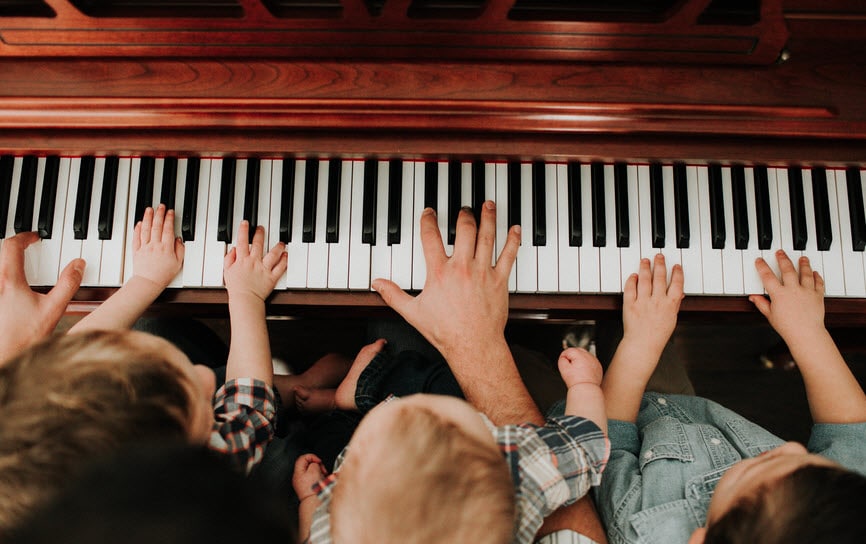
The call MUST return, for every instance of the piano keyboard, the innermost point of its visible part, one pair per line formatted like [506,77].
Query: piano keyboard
[585,226]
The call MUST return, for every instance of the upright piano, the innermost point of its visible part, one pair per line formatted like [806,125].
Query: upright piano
[712,131]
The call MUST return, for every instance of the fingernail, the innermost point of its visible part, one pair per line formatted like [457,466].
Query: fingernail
[466,209]
[375,285]
[517,229]
[490,205]
[79,266]
[428,211]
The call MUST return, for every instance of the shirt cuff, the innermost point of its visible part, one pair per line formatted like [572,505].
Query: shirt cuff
[623,436]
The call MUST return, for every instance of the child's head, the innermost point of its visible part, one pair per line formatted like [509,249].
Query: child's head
[421,469]
[786,495]
[73,398]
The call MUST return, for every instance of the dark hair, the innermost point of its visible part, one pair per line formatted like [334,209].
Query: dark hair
[815,504]
[171,495]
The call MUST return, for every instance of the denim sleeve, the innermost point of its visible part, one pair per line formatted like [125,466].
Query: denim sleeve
[841,442]
[619,493]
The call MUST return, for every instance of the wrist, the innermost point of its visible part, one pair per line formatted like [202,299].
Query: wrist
[245,297]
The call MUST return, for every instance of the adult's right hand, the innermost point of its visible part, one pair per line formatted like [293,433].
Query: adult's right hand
[25,315]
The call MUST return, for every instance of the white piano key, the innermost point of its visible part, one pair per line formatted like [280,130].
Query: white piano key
[70,247]
[13,196]
[240,194]
[548,256]
[49,260]
[264,206]
[466,184]
[33,254]
[785,223]
[816,258]
[158,168]
[317,251]
[711,259]
[569,256]
[693,274]
[179,203]
[111,272]
[296,273]
[359,252]
[401,254]
[769,255]
[194,251]
[419,266]
[751,281]
[338,252]
[275,206]
[214,250]
[91,247]
[834,273]
[590,280]
[134,169]
[647,251]
[527,254]
[502,219]
[629,256]
[490,194]
[380,254]
[609,255]
[442,206]
[672,253]
[732,259]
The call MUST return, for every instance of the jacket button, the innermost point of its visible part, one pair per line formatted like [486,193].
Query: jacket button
[662,400]
[648,454]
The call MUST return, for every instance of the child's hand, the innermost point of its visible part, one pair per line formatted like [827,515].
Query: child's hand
[578,366]
[248,270]
[650,306]
[796,305]
[308,470]
[157,253]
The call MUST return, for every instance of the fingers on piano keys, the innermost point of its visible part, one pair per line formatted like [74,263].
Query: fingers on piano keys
[585,226]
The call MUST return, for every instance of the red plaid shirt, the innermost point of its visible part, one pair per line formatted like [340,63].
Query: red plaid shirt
[244,419]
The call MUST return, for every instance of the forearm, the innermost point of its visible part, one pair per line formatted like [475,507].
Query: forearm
[249,348]
[123,308]
[625,381]
[305,516]
[834,394]
[587,400]
[491,383]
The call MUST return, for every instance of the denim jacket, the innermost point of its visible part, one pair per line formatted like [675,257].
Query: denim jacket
[663,470]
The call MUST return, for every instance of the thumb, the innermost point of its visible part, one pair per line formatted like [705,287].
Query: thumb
[394,297]
[761,303]
[67,284]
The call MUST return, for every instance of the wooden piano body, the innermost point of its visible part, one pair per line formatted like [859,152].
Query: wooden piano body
[775,82]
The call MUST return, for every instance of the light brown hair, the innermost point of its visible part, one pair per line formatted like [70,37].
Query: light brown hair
[423,480]
[72,399]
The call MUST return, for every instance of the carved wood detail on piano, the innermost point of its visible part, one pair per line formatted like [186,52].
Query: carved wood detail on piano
[694,31]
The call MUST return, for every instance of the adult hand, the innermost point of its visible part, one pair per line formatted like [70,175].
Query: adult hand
[464,303]
[26,316]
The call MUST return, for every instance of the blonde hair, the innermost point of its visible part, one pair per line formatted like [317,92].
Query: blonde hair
[75,398]
[423,479]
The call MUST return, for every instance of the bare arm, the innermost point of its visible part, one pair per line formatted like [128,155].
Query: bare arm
[26,316]
[796,312]
[308,471]
[250,276]
[649,316]
[462,312]
[157,258]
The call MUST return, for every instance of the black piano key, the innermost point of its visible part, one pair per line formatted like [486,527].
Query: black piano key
[227,201]
[821,202]
[599,221]
[478,177]
[144,194]
[513,193]
[431,184]
[82,201]
[657,205]
[332,219]
[105,225]
[539,212]
[681,206]
[169,182]
[26,205]
[190,199]
[798,207]
[7,163]
[311,191]
[620,187]
[371,184]
[855,208]
[45,221]
[395,199]
[717,206]
[575,214]
[741,210]
[454,202]
[762,212]
[251,195]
